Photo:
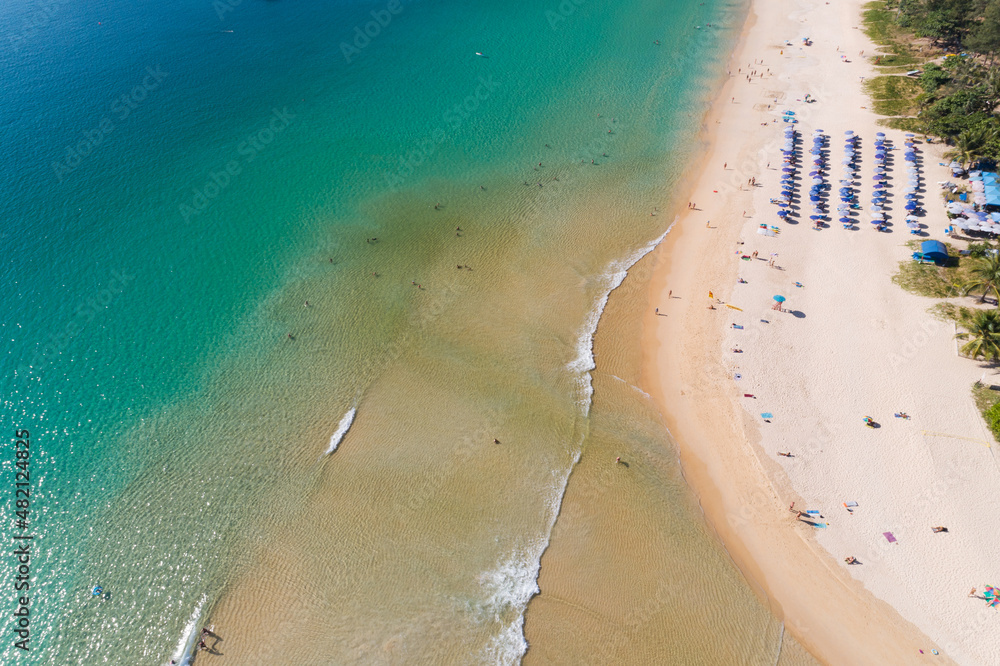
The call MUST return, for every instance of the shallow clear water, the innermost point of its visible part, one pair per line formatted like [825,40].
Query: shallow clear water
[179,179]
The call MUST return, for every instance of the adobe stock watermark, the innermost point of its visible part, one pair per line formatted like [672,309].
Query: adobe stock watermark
[84,313]
[247,151]
[365,33]
[452,119]
[120,108]
[916,341]
[223,7]
[563,11]
[38,18]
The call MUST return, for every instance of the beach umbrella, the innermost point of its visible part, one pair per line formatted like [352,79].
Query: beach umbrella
[816,217]
[910,206]
[787,169]
[780,298]
[876,209]
[879,133]
[782,213]
[846,220]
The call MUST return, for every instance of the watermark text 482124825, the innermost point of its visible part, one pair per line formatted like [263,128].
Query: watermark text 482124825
[22,537]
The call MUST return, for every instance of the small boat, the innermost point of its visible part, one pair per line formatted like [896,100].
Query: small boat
[481,55]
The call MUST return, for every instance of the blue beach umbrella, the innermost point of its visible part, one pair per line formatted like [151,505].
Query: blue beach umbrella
[782,213]
[910,206]
[846,220]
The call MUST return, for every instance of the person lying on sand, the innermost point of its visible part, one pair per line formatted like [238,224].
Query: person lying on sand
[851,560]
[939,529]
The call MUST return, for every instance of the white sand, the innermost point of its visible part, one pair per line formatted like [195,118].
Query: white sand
[851,344]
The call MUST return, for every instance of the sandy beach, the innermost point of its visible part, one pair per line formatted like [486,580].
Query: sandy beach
[848,344]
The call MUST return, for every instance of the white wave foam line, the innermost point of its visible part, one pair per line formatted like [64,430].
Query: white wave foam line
[612,279]
[183,653]
[514,582]
[342,428]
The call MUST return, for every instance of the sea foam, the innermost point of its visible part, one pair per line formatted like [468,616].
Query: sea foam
[184,652]
[342,428]
[610,280]
[515,580]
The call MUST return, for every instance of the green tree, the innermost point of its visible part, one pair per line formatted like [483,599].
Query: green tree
[982,332]
[985,278]
[933,77]
[973,143]
[984,37]
[980,250]
[946,20]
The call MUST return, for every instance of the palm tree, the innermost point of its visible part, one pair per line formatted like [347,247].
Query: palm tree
[970,144]
[982,330]
[985,277]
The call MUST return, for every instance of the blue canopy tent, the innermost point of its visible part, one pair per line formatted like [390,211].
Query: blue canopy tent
[932,251]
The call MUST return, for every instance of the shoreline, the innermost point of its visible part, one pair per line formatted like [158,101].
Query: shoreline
[743,492]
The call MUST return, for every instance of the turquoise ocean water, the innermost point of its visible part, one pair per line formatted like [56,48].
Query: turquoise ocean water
[179,178]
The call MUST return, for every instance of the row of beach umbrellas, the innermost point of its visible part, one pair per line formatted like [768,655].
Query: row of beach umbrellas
[817,191]
[910,192]
[789,158]
[848,198]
